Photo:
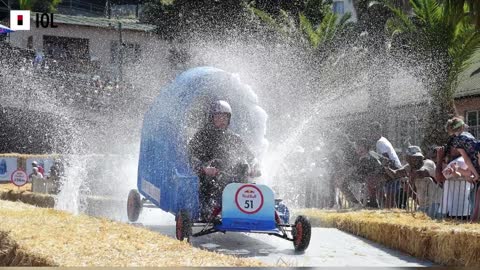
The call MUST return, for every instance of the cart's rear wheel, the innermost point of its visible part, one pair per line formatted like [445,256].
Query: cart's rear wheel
[301,232]
[134,205]
[183,228]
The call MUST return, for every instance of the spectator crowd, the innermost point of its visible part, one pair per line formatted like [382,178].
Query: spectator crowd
[441,181]
[41,183]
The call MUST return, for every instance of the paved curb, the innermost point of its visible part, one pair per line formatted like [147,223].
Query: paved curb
[439,243]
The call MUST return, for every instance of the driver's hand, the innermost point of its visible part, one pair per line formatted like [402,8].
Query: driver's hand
[211,171]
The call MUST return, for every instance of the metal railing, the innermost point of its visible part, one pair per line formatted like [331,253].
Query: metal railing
[455,198]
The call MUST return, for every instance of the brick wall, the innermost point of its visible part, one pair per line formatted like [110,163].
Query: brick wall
[467,104]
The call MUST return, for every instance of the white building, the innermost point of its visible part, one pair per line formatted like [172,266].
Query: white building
[92,39]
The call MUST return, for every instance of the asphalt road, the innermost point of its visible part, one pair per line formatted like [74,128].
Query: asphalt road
[328,247]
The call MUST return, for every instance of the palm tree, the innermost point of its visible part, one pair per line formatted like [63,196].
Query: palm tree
[440,38]
[26,4]
[39,5]
[364,13]
[283,23]
[317,35]
[326,31]
[473,7]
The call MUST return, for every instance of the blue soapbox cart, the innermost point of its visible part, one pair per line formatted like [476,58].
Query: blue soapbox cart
[166,181]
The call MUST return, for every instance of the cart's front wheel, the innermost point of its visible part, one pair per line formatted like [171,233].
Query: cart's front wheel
[134,205]
[301,232]
[183,226]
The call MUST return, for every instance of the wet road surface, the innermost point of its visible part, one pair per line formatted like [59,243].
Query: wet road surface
[328,246]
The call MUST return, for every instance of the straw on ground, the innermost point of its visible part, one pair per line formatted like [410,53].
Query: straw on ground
[42,236]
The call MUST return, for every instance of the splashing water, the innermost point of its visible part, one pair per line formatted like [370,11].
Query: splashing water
[103,146]
[73,191]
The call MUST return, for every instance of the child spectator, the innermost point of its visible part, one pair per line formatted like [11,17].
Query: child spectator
[456,189]
[455,174]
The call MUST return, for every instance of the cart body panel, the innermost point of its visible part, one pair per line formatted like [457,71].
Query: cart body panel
[164,175]
[248,207]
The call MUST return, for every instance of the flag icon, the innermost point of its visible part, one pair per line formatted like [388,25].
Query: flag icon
[4,29]
[20,20]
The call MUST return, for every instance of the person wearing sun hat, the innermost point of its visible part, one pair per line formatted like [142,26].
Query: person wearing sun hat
[469,148]
[421,177]
[466,145]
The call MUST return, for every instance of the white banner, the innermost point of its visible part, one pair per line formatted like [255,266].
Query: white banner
[7,167]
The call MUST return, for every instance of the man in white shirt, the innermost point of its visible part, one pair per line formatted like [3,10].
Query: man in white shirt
[384,147]
[395,194]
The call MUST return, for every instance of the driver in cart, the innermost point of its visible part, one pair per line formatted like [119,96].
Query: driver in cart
[219,157]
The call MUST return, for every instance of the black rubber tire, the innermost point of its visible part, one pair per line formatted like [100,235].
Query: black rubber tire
[183,225]
[301,232]
[134,205]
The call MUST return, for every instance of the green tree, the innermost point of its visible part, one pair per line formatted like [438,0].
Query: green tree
[439,38]
[163,15]
[39,5]
[317,33]
[326,31]
[316,10]
[473,9]
[25,4]
[183,18]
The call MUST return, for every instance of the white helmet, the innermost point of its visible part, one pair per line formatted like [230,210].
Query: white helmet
[221,106]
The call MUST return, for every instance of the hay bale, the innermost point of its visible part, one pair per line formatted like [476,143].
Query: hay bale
[37,199]
[11,195]
[12,255]
[444,242]
[63,239]
[27,156]
[10,186]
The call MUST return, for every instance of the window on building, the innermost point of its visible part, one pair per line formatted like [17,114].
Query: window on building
[66,47]
[473,122]
[131,52]
[338,7]
[30,42]
[408,131]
